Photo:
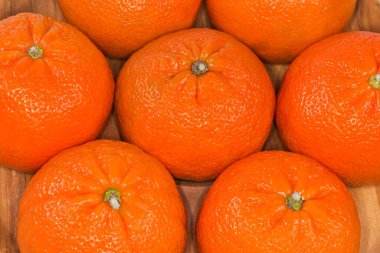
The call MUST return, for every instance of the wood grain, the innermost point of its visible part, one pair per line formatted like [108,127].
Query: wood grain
[12,183]
[367,16]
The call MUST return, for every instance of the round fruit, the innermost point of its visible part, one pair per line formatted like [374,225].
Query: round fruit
[56,90]
[329,106]
[197,100]
[279,30]
[104,196]
[121,27]
[278,202]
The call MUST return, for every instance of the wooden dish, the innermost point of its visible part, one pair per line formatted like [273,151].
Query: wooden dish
[13,183]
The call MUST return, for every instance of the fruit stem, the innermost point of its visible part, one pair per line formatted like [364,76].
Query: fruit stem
[35,52]
[375,81]
[294,202]
[199,68]
[112,196]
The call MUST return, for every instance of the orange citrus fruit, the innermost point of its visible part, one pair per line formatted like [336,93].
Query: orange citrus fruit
[121,27]
[279,30]
[278,202]
[329,106]
[104,196]
[56,90]
[197,100]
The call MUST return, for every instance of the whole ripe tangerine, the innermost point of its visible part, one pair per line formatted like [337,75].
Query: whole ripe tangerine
[278,202]
[197,100]
[329,106]
[121,27]
[279,30]
[103,196]
[56,90]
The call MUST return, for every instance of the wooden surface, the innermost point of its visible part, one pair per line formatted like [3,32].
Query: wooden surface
[13,183]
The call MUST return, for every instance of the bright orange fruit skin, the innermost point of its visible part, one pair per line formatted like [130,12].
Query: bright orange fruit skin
[62,209]
[195,125]
[279,30]
[245,209]
[121,27]
[52,103]
[328,110]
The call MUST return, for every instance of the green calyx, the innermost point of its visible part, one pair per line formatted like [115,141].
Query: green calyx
[113,197]
[294,202]
[375,81]
[36,52]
